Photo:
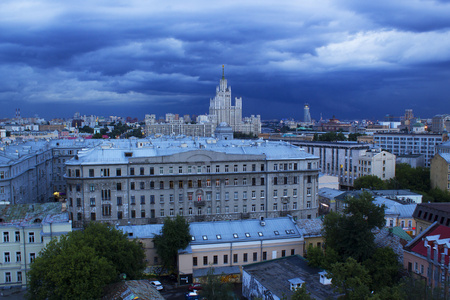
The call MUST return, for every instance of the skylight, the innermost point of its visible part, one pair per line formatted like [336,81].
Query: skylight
[292,231]
[247,234]
[219,237]
[235,235]
[260,233]
[287,231]
[205,237]
[276,232]
[193,238]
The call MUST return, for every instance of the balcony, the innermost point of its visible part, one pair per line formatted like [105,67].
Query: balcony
[199,203]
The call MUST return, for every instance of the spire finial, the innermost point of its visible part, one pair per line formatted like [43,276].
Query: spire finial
[223,71]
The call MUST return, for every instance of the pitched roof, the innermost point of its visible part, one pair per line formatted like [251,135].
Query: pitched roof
[31,214]
[439,233]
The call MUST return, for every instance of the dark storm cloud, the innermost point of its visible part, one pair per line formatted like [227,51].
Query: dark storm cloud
[346,58]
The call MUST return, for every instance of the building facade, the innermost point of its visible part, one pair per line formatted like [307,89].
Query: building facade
[26,230]
[377,163]
[403,143]
[201,179]
[440,171]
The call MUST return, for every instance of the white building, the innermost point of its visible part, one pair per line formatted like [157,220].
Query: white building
[403,143]
[25,230]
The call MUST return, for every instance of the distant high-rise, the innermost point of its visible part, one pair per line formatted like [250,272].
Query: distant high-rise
[409,114]
[306,114]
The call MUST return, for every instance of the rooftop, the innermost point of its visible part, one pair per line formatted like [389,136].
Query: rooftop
[32,214]
[275,274]
[226,231]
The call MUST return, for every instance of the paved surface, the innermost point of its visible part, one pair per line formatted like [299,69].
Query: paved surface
[13,294]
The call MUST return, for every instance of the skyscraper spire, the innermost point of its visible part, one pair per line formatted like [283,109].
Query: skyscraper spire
[223,71]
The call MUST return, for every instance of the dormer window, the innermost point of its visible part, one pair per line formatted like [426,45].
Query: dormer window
[235,235]
[247,234]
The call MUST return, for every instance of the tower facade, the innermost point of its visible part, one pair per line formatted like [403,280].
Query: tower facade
[222,108]
[306,114]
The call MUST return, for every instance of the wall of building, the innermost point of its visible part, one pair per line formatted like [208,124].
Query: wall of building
[440,173]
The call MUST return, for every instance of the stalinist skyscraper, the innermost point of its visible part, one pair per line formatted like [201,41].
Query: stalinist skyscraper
[223,110]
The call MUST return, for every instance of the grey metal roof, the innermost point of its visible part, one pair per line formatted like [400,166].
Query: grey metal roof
[403,211]
[225,231]
[329,193]
[395,193]
[115,152]
[445,156]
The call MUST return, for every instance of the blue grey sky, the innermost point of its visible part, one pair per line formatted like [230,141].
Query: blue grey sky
[348,58]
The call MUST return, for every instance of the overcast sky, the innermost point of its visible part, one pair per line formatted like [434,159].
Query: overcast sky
[348,58]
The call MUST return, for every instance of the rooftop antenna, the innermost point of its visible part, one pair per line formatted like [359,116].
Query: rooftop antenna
[223,71]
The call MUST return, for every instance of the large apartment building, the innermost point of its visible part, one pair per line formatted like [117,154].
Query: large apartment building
[203,179]
[406,143]
[348,161]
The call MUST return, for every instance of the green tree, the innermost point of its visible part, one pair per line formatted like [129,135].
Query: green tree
[350,278]
[175,235]
[383,268]
[215,289]
[81,263]
[86,129]
[301,294]
[97,136]
[350,234]
[354,136]
[369,182]
[407,177]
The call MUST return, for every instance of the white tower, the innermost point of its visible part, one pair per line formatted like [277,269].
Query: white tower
[306,114]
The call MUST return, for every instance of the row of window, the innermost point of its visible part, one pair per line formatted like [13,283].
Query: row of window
[106,196]
[8,277]
[245,257]
[7,257]
[107,210]
[6,237]
[199,183]
[190,169]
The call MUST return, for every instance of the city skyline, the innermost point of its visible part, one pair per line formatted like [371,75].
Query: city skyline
[344,58]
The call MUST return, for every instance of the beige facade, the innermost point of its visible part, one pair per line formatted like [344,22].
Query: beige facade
[25,231]
[440,171]
[377,163]
[203,180]
[227,245]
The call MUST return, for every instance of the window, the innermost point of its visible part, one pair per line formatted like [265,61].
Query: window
[244,195]
[91,172]
[217,168]
[285,180]
[244,181]
[31,237]
[119,201]
[131,171]
[294,205]
[17,234]
[132,185]
[275,180]
[253,181]
[142,199]
[199,183]
[308,204]
[161,198]
[292,251]
[255,256]
[275,193]
[275,206]
[19,276]
[227,196]
[253,194]
[245,257]
[208,169]
[227,182]
[190,185]
[92,216]
[235,258]
[308,192]
[264,255]
[253,167]
[92,201]
[225,259]
[6,257]
[118,172]
[142,213]
[32,257]
[106,209]
[217,196]
[294,192]
[226,168]
[253,207]
[161,170]
[262,206]
[215,259]
[262,181]
[132,200]
[152,199]
[205,260]
[142,185]
[152,171]
[194,261]
[283,253]
[7,277]
[5,237]
[236,194]
[161,185]
[235,181]
[141,171]
[119,186]
[275,167]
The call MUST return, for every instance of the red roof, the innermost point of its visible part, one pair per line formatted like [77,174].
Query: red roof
[419,247]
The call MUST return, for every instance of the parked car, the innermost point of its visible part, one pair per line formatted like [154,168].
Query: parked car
[191,296]
[195,287]
[157,284]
